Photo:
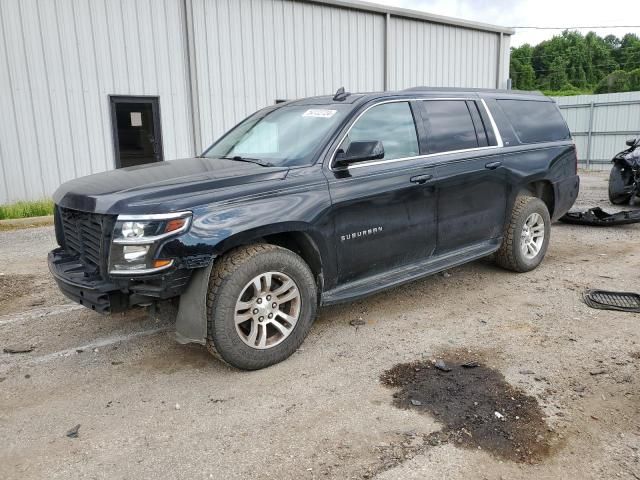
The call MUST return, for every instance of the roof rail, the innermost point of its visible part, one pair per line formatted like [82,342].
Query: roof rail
[460,89]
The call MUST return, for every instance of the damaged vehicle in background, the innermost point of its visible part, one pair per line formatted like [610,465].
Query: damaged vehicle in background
[624,179]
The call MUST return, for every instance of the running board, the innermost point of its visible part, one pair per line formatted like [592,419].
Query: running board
[398,276]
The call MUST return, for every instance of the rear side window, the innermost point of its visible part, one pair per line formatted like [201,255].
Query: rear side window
[535,121]
[450,126]
[390,123]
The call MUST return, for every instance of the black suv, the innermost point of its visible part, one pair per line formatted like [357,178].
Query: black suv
[314,202]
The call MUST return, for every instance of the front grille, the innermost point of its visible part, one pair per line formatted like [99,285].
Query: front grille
[86,235]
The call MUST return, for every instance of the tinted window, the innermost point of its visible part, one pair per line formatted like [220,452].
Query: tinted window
[450,126]
[390,123]
[535,121]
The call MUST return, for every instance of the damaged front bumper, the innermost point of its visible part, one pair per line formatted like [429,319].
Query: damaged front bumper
[86,287]
[76,283]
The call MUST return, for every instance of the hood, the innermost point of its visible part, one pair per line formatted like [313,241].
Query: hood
[164,186]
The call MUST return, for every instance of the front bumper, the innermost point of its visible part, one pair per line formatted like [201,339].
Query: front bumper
[115,294]
[89,290]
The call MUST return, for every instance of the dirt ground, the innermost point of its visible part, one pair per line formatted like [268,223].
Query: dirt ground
[150,408]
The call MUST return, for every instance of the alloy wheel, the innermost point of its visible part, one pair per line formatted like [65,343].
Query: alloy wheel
[532,236]
[267,310]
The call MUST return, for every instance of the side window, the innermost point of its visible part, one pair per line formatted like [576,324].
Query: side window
[450,126]
[535,121]
[390,123]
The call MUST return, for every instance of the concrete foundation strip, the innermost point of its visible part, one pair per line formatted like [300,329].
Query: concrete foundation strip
[39,313]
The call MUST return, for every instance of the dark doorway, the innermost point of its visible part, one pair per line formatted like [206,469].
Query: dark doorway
[136,130]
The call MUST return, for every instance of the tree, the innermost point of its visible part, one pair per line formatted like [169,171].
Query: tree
[629,52]
[572,62]
[634,80]
[558,79]
[521,70]
[617,81]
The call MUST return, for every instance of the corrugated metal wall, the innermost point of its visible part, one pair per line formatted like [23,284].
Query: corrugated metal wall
[59,61]
[211,62]
[251,52]
[611,119]
[422,53]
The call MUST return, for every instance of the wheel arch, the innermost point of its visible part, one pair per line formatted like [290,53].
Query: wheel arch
[297,237]
[542,189]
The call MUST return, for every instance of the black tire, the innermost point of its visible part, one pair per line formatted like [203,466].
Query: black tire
[510,255]
[229,276]
[617,183]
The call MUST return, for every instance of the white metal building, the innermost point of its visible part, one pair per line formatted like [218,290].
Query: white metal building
[91,85]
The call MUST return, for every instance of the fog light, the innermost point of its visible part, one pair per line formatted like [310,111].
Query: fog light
[134,253]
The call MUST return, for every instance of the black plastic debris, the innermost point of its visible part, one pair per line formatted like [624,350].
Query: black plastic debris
[357,322]
[18,349]
[620,301]
[596,217]
[470,365]
[73,433]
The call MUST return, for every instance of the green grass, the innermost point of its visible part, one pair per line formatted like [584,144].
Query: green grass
[37,208]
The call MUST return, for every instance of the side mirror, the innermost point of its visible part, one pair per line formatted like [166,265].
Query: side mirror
[631,142]
[360,152]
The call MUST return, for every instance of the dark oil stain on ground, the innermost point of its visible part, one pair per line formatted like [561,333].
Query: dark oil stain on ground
[465,401]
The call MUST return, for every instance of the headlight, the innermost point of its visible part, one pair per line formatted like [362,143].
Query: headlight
[132,230]
[136,239]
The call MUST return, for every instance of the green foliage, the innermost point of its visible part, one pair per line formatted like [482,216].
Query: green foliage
[38,208]
[573,64]
[615,82]
[634,80]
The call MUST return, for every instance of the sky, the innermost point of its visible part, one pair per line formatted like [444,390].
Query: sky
[540,13]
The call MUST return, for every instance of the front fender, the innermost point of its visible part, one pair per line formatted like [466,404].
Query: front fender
[303,205]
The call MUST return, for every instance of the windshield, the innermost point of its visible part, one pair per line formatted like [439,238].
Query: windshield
[286,136]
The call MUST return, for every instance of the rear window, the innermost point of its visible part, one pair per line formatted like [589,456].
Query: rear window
[534,121]
[450,126]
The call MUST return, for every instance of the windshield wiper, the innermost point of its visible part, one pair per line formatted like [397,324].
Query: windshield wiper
[257,161]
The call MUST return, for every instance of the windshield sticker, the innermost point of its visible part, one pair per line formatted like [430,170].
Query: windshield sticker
[319,113]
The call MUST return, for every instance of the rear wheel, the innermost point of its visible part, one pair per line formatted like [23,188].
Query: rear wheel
[618,181]
[261,303]
[526,235]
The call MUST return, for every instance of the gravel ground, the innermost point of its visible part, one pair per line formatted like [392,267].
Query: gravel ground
[150,408]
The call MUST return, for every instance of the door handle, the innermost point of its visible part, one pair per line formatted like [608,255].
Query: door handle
[420,179]
[492,165]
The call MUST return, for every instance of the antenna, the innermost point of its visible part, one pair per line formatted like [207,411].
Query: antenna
[340,95]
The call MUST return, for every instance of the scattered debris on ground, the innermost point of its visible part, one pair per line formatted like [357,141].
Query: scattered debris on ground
[606,300]
[596,217]
[18,349]
[476,406]
[73,433]
[442,366]
[357,322]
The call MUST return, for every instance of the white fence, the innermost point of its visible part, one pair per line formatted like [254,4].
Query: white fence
[600,124]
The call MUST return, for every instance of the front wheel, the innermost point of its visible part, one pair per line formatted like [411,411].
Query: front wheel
[526,235]
[261,303]
[618,183]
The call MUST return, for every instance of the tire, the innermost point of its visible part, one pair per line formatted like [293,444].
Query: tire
[232,288]
[510,255]
[617,184]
